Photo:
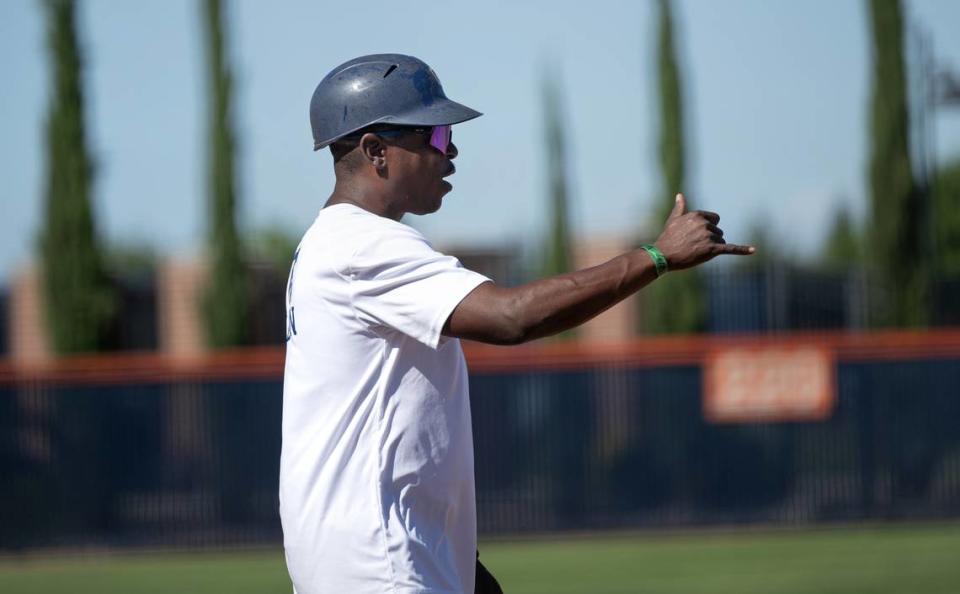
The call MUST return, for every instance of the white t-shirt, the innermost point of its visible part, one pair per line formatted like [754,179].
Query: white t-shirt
[376,472]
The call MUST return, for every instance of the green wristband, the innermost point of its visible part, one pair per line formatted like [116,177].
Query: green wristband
[658,259]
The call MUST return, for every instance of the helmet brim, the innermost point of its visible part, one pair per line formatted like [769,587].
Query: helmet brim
[441,112]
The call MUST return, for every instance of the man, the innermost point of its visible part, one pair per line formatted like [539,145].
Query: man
[376,474]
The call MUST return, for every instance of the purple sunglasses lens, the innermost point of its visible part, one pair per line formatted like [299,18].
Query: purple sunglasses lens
[440,138]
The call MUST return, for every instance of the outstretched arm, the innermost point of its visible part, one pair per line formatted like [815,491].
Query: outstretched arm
[500,315]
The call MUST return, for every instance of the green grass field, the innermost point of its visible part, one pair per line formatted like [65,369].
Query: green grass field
[898,559]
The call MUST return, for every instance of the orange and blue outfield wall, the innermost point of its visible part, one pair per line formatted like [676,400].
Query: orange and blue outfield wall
[798,428]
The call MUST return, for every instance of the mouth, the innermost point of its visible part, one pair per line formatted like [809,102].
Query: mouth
[451,171]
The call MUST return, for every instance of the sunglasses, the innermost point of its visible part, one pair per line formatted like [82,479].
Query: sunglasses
[440,136]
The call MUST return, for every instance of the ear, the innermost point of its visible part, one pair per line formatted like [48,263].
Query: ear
[374,151]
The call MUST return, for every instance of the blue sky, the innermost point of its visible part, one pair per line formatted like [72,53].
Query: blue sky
[777,100]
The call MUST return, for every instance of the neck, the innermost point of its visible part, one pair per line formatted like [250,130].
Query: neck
[363,194]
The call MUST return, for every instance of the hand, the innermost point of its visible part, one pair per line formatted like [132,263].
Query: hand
[692,238]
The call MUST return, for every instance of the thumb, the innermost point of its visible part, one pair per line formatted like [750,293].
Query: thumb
[680,207]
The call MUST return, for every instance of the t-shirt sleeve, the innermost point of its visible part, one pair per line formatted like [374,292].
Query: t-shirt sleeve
[399,281]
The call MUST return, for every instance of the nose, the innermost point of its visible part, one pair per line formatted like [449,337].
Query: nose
[452,151]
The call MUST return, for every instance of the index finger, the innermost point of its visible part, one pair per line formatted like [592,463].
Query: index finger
[737,250]
[710,216]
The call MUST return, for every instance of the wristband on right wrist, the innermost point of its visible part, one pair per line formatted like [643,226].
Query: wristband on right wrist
[659,260]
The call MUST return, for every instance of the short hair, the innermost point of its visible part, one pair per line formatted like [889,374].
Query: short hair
[345,156]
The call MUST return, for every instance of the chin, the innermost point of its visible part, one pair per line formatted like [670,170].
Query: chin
[431,208]
[446,187]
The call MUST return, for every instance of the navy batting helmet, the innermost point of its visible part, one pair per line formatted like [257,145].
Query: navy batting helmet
[380,89]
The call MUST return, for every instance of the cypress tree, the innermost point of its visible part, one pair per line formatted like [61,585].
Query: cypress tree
[558,249]
[79,298]
[842,249]
[896,234]
[945,285]
[225,301]
[675,303]
[558,253]
[670,147]
[947,219]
